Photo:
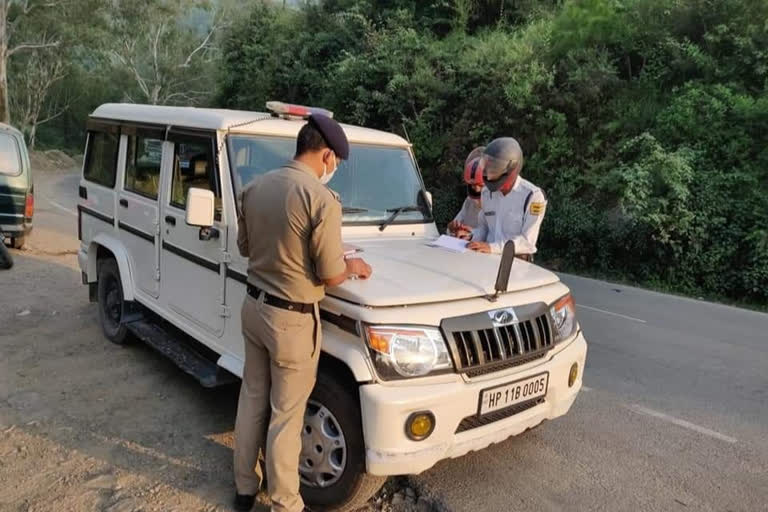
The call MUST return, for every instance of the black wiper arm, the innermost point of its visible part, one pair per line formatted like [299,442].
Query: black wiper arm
[395,212]
[352,209]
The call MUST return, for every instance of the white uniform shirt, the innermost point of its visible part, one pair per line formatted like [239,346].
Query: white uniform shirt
[516,216]
[469,213]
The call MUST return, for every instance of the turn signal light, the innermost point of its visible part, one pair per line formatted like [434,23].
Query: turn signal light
[573,375]
[420,425]
[29,206]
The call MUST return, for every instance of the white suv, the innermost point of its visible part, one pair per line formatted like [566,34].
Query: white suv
[422,362]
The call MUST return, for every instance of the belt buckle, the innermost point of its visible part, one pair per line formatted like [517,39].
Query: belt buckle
[290,307]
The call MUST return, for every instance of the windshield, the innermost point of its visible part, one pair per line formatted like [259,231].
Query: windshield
[374,181]
[10,160]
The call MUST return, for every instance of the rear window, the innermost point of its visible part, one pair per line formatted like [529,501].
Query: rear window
[10,157]
[101,161]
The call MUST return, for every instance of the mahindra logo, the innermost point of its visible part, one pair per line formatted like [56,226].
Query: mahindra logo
[502,317]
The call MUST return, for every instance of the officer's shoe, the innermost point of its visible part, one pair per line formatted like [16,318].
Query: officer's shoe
[244,502]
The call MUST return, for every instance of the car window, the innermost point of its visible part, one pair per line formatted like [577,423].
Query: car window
[10,159]
[251,156]
[193,168]
[101,161]
[371,183]
[142,166]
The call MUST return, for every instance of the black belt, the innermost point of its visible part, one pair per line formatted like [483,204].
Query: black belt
[277,302]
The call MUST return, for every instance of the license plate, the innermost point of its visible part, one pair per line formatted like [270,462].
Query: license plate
[513,393]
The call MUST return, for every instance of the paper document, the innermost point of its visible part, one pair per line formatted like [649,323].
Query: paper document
[351,250]
[450,243]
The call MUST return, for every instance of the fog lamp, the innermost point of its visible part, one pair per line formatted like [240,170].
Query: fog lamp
[420,425]
[573,374]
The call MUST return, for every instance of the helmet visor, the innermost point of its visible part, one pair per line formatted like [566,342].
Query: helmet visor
[472,173]
[494,168]
[475,153]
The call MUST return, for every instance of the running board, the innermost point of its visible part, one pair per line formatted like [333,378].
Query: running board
[207,372]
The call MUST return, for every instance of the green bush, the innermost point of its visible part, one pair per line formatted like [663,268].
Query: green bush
[645,121]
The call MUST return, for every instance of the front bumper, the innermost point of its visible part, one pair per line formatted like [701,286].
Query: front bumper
[14,230]
[385,410]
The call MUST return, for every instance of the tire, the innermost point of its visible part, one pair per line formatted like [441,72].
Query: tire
[111,303]
[6,260]
[337,408]
[17,242]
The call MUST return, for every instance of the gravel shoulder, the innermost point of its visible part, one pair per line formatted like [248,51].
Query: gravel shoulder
[86,425]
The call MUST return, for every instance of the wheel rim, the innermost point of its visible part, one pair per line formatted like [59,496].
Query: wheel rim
[324,448]
[113,302]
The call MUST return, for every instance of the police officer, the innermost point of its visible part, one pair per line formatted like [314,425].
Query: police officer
[290,231]
[512,208]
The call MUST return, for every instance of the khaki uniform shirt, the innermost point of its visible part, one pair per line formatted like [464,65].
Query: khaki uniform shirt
[516,216]
[290,231]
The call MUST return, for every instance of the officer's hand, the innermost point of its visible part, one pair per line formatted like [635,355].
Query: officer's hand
[359,268]
[454,226]
[463,234]
[479,247]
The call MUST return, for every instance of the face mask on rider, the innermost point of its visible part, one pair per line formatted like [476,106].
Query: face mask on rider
[328,176]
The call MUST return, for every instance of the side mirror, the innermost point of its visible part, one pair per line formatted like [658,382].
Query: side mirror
[428,195]
[200,207]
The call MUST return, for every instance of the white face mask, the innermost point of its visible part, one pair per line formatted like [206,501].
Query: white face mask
[326,177]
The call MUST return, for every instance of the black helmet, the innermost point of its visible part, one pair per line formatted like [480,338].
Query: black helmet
[501,161]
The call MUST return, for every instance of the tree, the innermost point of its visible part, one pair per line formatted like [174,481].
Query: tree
[168,60]
[12,13]
[30,101]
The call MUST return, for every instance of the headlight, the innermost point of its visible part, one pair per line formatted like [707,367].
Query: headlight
[564,315]
[400,351]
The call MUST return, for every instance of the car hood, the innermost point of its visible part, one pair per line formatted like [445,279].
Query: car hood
[410,272]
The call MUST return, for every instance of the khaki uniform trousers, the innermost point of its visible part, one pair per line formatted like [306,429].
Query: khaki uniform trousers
[282,349]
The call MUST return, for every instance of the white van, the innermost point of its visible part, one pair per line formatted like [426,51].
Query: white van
[435,356]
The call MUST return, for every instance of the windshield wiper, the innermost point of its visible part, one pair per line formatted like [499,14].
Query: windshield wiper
[352,209]
[395,212]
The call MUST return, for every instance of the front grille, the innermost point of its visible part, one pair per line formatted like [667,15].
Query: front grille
[476,421]
[479,347]
[511,363]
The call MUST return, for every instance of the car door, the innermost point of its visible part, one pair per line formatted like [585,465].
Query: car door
[192,284]
[138,211]
[97,206]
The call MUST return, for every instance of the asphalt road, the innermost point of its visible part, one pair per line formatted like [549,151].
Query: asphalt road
[55,221]
[674,415]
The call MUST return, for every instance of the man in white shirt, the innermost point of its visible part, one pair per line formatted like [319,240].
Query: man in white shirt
[512,208]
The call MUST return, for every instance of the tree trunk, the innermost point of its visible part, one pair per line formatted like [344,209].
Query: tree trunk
[32,136]
[5,114]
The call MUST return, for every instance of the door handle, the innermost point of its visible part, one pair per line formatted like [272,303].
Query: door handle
[124,203]
[83,192]
[169,219]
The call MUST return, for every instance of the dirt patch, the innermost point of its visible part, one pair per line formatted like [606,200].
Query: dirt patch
[403,494]
[53,160]
[86,425]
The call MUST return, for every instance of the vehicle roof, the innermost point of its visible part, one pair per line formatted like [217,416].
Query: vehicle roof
[235,121]
[9,128]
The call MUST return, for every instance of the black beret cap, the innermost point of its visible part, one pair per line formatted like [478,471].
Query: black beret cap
[332,133]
